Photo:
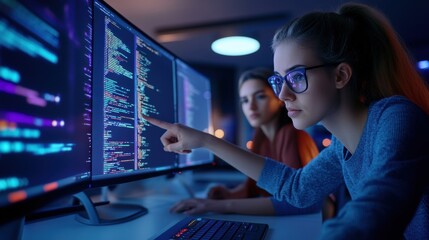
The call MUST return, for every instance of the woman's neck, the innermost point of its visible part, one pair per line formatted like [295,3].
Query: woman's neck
[270,129]
[347,125]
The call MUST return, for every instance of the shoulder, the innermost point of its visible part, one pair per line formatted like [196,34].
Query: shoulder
[396,121]
[396,113]
[398,106]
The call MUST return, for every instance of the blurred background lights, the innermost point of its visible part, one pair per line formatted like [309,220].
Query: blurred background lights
[219,133]
[249,145]
[326,142]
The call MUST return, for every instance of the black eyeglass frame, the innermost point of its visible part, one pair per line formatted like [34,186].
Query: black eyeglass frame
[276,81]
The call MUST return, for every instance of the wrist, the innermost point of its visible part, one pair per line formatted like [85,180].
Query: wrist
[225,206]
[207,140]
[214,206]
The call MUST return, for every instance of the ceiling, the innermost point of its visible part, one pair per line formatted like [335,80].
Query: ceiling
[196,23]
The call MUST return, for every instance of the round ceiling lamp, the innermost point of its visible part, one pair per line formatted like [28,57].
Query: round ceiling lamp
[235,46]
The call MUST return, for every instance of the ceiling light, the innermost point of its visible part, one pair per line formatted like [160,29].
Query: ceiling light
[235,46]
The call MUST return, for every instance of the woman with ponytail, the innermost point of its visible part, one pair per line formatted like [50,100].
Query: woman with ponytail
[350,72]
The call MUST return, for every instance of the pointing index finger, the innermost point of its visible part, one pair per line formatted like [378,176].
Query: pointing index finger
[158,123]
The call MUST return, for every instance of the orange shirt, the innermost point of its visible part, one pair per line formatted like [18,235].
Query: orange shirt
[291,146]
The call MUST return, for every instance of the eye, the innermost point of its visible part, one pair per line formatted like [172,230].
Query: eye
[261,96]
[275,80]
[295,77]
[243,100]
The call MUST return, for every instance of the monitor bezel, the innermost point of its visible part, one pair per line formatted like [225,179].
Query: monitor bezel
[22,208]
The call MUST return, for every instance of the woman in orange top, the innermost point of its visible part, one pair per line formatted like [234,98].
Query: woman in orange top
[275,137]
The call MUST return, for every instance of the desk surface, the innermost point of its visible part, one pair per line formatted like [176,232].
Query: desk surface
[158,200]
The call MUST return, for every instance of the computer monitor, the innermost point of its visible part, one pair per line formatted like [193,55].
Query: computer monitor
[45,107]
[133,75]
[194,110]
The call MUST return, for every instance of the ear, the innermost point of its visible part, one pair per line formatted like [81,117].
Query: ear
[343,75]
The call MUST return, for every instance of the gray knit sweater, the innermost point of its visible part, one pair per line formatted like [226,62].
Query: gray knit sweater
[387,177]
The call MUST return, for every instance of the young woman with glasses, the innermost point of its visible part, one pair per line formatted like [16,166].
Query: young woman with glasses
[276,138]
[368,94]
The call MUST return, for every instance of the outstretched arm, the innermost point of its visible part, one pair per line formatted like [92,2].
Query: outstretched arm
[222,192]
[181,139]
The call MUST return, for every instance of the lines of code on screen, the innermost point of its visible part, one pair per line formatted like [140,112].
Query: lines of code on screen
[194,109]
[132,76]
[45,91]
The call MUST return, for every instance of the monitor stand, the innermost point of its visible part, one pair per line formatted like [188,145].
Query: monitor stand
[108,214]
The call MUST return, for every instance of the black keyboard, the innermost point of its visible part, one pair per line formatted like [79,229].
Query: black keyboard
[211,229]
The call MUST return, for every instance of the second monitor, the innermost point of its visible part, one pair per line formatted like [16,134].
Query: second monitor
[133,76]
[194,110]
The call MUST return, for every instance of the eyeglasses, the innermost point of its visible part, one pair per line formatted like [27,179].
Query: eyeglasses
[296,79]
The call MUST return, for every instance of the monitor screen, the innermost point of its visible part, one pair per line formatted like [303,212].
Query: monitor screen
[194,110]
[133,75]
[45,107]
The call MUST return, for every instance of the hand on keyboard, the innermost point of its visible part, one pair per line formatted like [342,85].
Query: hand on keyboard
[193,206]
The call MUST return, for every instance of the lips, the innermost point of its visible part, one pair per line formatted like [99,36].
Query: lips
[292,109]
[254,116]
[293,112]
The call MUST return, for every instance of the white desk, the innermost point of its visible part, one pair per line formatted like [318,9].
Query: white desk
[158,200]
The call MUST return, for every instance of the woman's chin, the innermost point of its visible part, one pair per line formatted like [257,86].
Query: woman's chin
[301,125]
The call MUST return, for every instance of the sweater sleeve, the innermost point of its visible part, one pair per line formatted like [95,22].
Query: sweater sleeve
[284,208]
[305,186]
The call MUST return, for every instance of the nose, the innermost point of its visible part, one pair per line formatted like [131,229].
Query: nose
[252,104]
[286,94]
